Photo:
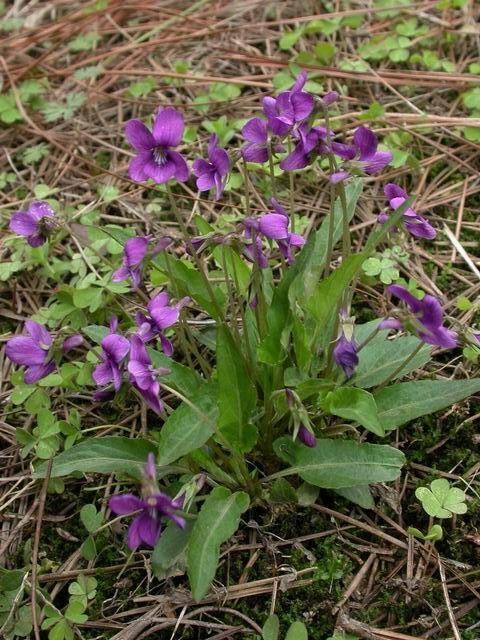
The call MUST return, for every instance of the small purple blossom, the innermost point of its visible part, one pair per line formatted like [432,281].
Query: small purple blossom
[134,253]
[32,352]
[34,224]
[212,173]
[161,316]
[255,132]
[306,436]
[415,224]
[146,527]
[329,98]
[114,349]
[143,375]
[289,108]
[427,320]
[308,141]
[345,351]
[156,158]
[72,342]
[361,154]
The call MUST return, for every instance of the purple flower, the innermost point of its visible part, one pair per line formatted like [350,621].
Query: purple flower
[329,98]
[156,158]
[72,342]
[289,108]
[212,173]
[427,321]
[143,375]
[134,253]
[275,225]
[161,317]
[306,147]
[361,154]
[415,224]
[34,224]
[306,436]
[256,134]
[146,526]
[114,349]
[32,352]
[345,355]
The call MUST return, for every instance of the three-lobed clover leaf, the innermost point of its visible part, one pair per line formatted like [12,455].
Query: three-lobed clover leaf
[441,500]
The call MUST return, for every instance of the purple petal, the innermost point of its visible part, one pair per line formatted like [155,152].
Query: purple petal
[212,143]
[72,342]
[149,528]
[38,371]
[392,190]
[115,346]
[378,162]
[339,176]
[102,374]
[390,323]
[41,209]
[302,104]
[297,159]
[342,150]
[255,152]
[221,161]
[255,130]
[206,181]
[37,240]
[440,337]
[24,351]
[168,127]
[420,228]
[152,399]
[165,316]
[300,81]
[161,173]
[158,301]
[138,351]
[140,373]
[201,166]
[150,470]
[117,376]
[279,126]
[278,208]
[135,250]
[125,504]
[121,274]
[295,240]
[269,109]
[139,135]
[330,97]
[167,345]
[432,315]
[345,355]
[38,333]
[365,142]
[24,224]
[274,226]
[181,168]
[219,185]
[403,294]
[307,437]
[136,168]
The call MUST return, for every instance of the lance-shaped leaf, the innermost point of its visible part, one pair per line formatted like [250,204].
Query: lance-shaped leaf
[354,404]
[236,394]
[189,426]
[110,454]
[218,519]
[400,403]
[334,464]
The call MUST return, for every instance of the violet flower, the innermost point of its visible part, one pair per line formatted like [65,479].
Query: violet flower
[156,158]
[114,349]
[32,352]
[150,509]
[306,436]
[72,342]
[34,224]
[134,252]
[415,224]
[345,351]
[162,316]
[427,320]
[212,173]
[143,375]
[306,147]
[256,133]
[361,154]
[274,226]
[289,108]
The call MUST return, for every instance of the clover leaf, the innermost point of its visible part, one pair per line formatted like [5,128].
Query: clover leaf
[441,500]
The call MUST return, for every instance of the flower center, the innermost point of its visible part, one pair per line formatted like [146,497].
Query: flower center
[160,155]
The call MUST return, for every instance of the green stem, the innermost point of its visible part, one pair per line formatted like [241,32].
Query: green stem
[272,172]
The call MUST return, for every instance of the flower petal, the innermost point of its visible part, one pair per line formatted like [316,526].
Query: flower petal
[302,104]
[378,161]
[136,168]
[133,535]
[135,249]
[24,350]
[40,209]
[206,181]
[139,135]
[255,152]
[138,351]
[125,504]
[255,130]
[221,161]
[297,159]
[72,342]
[149,528]
[24,224]
[115,346]
[38,371]
[160,173]
[201,166]
[38,333]
[181,167]
[403,294]
[102,374]
[274,226]
[365,142]
[392,190]
[168,127]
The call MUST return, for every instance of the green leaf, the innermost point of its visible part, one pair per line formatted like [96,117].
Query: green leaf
[143,87]
[110,454]
[91,519]
[297,631]
[236,394]
[61,631]
[380,358]
[170,547]
[289,39]
[84,42]
[271,628]
[282,492]
[325,52]
[354,404]
[74,612]
[89,549]
[218,519]
[187,428]
[441,500]
[360,495]
[401,403]
[334,464]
